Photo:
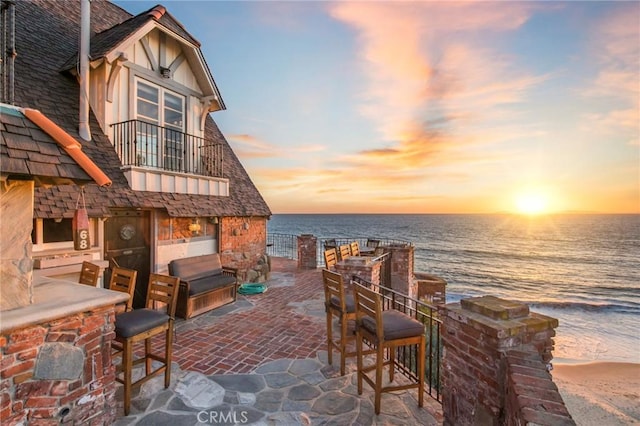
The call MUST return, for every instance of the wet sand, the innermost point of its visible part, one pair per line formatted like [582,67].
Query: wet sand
[601,393]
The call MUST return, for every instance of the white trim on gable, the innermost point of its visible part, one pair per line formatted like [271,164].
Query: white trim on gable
[192,54]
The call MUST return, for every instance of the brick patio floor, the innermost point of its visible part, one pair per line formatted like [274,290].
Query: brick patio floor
[258,328]
[285,322]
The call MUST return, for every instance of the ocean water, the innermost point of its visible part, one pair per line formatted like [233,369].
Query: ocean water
[582,269]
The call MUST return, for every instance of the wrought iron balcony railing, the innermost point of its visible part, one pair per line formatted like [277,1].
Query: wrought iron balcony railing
[143,144]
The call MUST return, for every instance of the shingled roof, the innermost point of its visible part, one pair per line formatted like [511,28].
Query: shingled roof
[27,152]
[104,42]
[46,36]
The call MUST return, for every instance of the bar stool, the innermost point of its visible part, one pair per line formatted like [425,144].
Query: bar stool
[339,305]
[89,274]
[124,280]
[354,248]
[390,330]
[330,258]
[142,324]
[344,251]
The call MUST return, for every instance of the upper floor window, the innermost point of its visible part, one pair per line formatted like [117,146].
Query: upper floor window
[160,143]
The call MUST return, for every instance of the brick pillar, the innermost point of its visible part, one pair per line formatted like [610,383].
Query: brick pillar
[360,266]
[477,334]
[402,268]
[307,246]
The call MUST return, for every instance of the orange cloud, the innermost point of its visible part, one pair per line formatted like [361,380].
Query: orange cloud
[424,66]
[616,43]
[249,147]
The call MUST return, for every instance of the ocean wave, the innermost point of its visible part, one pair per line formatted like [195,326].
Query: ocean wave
[497,256]
[587,307]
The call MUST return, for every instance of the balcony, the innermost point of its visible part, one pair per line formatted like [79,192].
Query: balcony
[161,159]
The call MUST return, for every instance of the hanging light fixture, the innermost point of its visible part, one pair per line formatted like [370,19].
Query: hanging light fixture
[194,226]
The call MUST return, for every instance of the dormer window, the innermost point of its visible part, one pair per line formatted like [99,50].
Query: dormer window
[160,129]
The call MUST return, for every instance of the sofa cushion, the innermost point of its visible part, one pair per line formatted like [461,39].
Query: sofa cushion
[204,284]
[193,268]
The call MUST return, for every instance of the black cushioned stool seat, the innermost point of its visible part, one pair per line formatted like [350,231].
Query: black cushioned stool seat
[135,322]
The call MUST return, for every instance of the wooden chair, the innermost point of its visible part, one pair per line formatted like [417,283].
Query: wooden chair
[330,258]
[369,248]
[330,243]
[142,324]
[345,251]
[89,274]
[385,330]
[124,280]
[354,248]
[341,306]
[373,243]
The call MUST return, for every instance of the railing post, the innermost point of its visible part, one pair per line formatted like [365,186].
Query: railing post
[307,244]
[477,335]
[401,268]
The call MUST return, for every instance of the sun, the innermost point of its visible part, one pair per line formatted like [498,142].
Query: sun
[531,203]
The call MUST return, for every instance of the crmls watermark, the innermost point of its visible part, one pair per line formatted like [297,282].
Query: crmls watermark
[227,417]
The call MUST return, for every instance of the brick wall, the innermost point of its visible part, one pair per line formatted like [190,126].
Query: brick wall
[402,269]
[494,352]
[531,397]
[367,270]
[307,246]
[243,242]
[59,371]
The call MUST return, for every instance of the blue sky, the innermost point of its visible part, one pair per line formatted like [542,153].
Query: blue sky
[428,107]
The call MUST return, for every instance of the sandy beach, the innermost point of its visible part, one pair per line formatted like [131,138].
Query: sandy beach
[601,393]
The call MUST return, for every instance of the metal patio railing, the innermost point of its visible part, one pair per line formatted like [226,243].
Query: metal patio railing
[406,357]
[143,144]
[286,245]
[282,245]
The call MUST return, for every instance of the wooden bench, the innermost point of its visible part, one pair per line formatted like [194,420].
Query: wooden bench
[204,284]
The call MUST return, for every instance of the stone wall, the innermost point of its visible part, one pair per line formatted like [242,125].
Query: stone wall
[243,242]
[16,266]
[486,379]
[59,371]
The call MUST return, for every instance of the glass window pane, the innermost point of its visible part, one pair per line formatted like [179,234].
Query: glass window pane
[173,119]
[147,92]
[147,110]
[173,101]
[54,231]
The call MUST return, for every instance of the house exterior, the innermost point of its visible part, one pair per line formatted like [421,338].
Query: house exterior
[177,187]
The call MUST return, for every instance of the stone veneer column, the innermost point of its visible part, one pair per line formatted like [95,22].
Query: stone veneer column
[477,334]
[16,266]
[307,246]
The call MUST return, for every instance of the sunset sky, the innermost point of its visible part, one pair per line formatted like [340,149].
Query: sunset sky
[428,107]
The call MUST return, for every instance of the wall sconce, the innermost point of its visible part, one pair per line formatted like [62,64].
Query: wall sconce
[194,227]
[213,220]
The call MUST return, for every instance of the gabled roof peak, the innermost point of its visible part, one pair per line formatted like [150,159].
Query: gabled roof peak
[157,11]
